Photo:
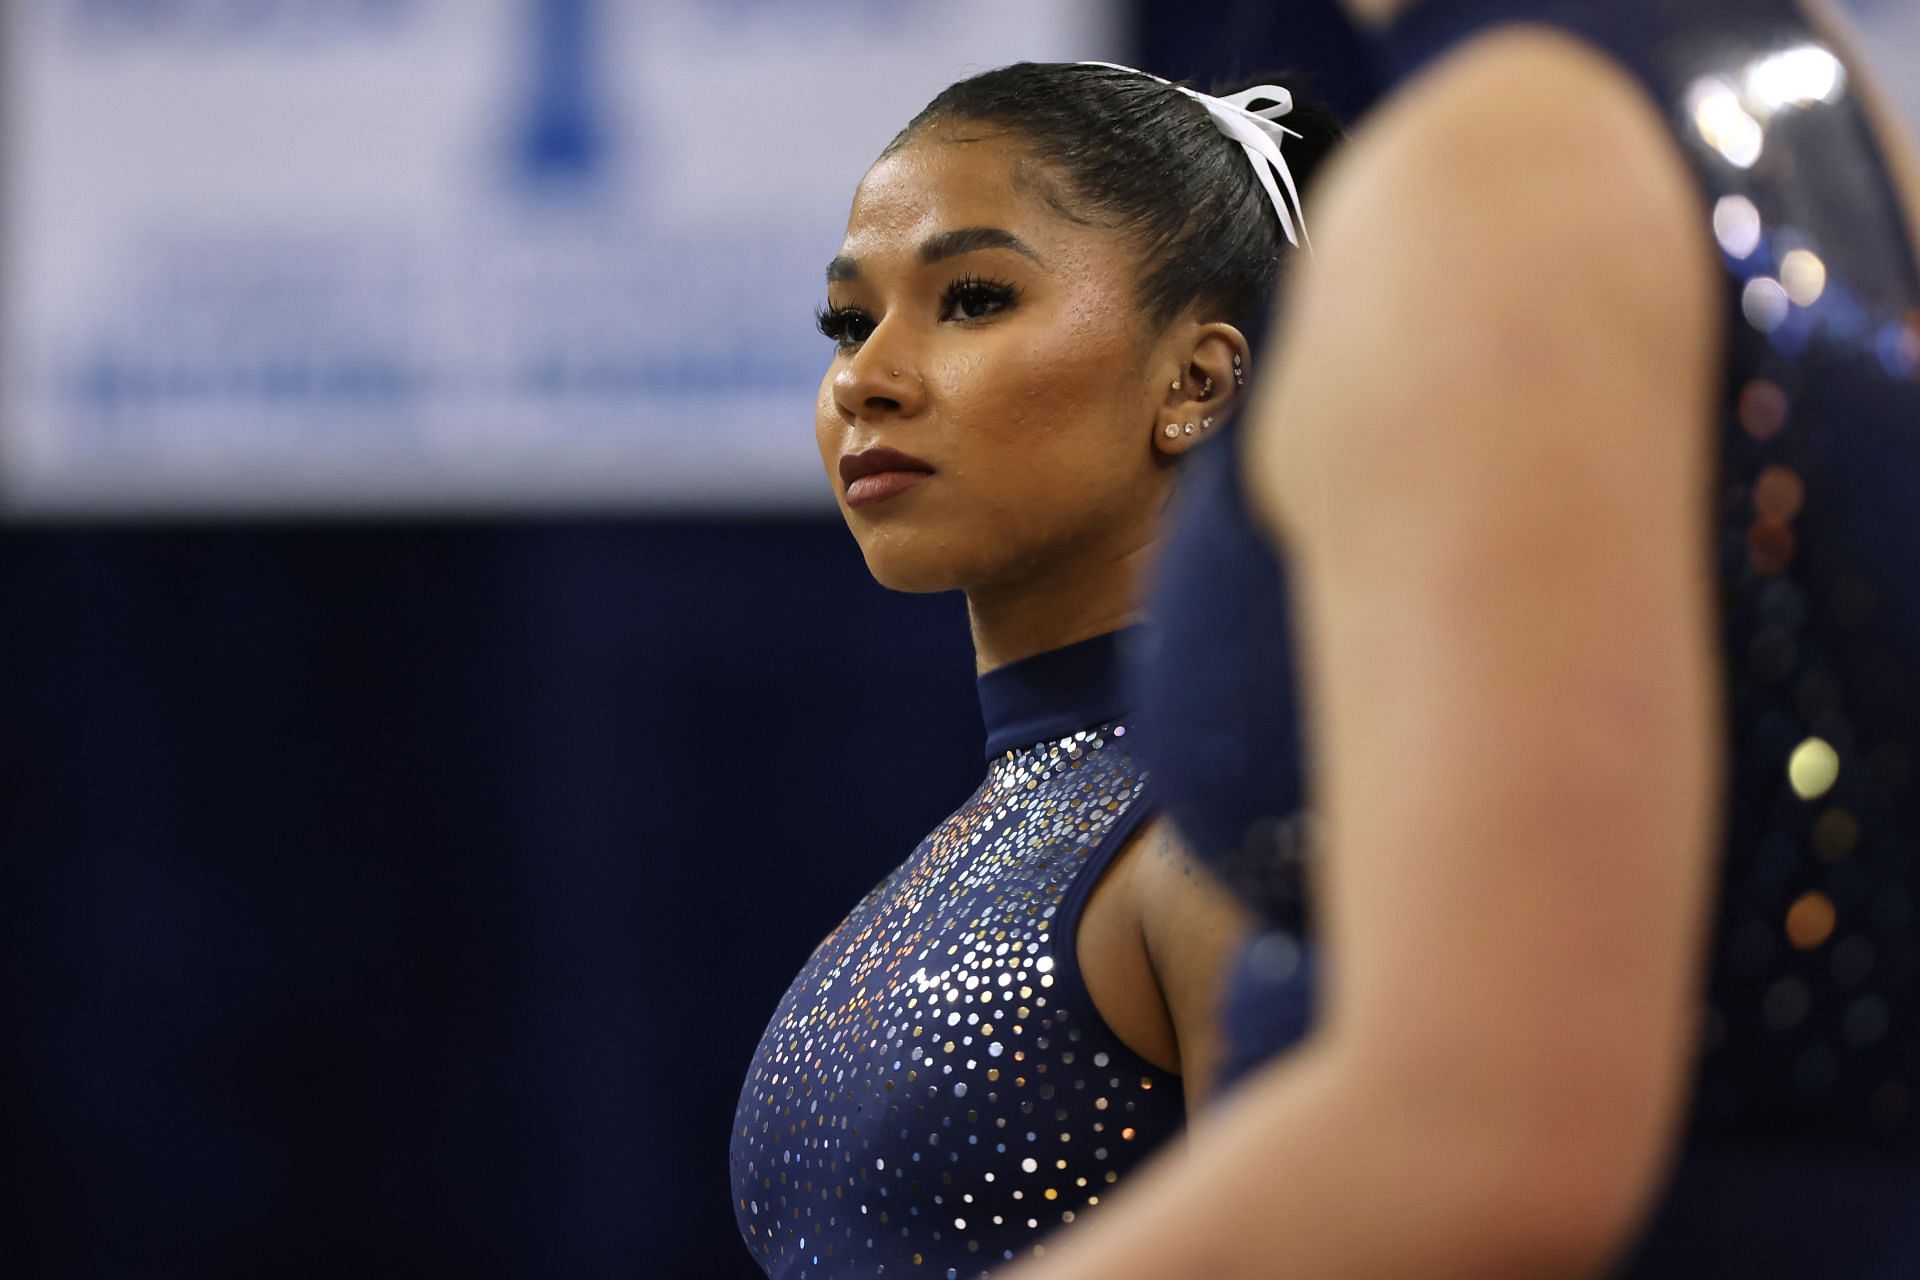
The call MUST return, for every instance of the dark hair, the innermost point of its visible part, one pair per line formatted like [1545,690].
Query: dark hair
[1139,155]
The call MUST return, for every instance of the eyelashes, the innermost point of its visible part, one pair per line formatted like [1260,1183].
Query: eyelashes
[976,299]
[847,326]
[968,299]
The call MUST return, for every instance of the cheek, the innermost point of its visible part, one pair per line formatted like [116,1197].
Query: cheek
[827,425]
[1057,401]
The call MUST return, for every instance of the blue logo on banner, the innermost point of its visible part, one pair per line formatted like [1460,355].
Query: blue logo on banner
[563,137]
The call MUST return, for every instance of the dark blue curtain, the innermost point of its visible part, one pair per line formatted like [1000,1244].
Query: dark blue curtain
[409,900]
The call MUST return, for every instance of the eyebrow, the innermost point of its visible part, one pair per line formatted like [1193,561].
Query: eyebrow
[947,244]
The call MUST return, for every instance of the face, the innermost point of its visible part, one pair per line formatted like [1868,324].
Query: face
[989,414]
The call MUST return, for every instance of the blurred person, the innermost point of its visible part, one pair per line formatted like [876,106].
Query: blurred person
[1587,503]
[1038,310]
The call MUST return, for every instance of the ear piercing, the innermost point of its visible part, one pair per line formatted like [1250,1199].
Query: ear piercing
[1206,424]
[1208,389]
[1176,384]
[1239,371]
[1172,430]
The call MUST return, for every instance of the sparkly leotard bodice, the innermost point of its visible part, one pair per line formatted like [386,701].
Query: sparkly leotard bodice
[1803,1153]
[936,1091]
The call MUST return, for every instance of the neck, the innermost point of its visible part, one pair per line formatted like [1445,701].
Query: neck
[1075,601]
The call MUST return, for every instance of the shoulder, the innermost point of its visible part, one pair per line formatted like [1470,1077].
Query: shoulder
[1516,236]
[1188,918]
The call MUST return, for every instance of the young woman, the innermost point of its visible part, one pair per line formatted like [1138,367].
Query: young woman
[1594,481]
[1037,311]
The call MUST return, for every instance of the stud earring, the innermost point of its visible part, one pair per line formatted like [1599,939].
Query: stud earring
[1206,424]
[1239,371]
[1207,390]
[1173,429]
[1189,428]
[1176,384]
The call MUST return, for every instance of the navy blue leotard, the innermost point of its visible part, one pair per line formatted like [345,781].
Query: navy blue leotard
[1802,1154]
[937,1092]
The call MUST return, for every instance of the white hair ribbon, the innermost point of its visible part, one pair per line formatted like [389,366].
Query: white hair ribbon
[1258,132]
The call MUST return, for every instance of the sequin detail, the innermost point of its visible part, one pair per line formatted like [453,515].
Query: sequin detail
[935,1094]
[1804,1035]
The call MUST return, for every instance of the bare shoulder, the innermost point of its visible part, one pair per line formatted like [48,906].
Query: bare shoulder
[1166,860]
[1516,212]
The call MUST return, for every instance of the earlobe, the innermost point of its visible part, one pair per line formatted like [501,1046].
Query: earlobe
[1174,438]
[1182,435]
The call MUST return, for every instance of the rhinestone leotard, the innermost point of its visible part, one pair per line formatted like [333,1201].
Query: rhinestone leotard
[1803,1153]
[936,1091]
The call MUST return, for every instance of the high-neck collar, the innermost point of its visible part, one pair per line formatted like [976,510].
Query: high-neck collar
[1055,693]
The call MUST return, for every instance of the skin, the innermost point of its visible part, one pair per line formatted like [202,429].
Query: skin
[1500,545]
[1042,418]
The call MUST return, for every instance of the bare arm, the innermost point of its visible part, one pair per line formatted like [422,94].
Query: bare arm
[1488,448]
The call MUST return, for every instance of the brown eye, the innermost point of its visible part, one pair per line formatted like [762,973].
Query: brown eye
[972,299]
[847,326]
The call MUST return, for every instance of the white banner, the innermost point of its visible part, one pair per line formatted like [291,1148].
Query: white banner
[387,256]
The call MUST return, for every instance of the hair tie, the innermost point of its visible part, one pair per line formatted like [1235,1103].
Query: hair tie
[1259,133]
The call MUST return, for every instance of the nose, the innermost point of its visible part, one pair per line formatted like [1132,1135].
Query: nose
[879,380]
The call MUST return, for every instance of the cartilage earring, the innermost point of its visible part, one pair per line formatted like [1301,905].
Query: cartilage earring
[1189,428]
[1239,371]
[1173,429]
[1176,384]
[1207,390]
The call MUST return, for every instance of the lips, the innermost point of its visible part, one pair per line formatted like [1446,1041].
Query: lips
[877,474]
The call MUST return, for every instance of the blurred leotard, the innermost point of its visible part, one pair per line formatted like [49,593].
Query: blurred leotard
[1802,1155]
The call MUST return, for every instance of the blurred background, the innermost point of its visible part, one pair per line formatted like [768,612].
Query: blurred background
[439,706]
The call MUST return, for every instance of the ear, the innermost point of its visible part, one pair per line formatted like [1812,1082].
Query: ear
[1214,365]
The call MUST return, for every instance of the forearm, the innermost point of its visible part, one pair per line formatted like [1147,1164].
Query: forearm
[1310,1172]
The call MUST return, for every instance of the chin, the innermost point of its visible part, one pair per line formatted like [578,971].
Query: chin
[905,560]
